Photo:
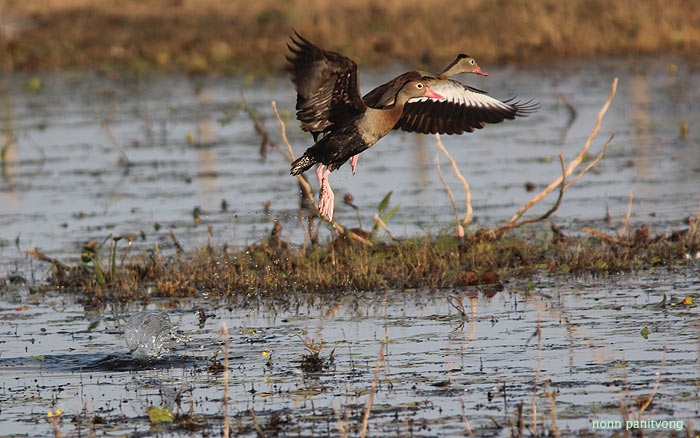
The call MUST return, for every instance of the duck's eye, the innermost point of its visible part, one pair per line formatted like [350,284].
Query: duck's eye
[471,61]
[419,85]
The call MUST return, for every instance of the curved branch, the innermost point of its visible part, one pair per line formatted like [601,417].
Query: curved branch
[566,172]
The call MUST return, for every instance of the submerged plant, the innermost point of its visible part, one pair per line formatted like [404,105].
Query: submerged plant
[312,362]
[91,259]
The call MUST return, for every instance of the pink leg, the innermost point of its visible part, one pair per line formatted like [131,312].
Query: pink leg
[326,198]
[353,162]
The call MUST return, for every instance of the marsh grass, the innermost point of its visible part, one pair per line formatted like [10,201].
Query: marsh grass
[213,36]
[277,269]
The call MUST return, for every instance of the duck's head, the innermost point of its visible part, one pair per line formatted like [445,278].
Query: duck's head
[463,64]
[412,89]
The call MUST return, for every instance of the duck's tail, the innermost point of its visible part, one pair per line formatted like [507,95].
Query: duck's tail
[301,164]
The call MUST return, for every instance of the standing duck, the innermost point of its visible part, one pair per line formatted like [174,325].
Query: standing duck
[329,102]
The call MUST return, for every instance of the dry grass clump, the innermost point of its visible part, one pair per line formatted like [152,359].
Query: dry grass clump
[210,36]
[273,269]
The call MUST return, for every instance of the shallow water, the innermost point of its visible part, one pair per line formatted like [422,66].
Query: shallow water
[65,182]
[444,362]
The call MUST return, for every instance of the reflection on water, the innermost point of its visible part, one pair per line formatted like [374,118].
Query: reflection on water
[65,180]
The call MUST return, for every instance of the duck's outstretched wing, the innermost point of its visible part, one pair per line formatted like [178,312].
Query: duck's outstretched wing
[327,86]
[462,109]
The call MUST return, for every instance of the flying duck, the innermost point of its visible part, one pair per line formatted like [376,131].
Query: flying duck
[329,105]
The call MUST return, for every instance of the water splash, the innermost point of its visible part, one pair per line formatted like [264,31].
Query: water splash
[149,335]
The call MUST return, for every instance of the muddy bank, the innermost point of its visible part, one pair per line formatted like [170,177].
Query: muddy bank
[233,37]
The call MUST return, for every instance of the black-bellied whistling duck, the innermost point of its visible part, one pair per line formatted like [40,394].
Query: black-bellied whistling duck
[463,109]
[382,95]
[329,102]
[353,136]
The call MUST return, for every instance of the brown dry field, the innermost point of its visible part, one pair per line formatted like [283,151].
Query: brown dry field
[244,37]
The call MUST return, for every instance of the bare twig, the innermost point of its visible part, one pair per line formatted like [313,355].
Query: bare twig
[649,399]
[460,177]
[562,188]
[258,429]
[227,423]
[38,146]
[283,128]
[266,140]
[553,403]
[607,237]
[573,114]
[305,187]
[373,387]
[176,242]
[125,159]
[568,171]
[460,228]
[693,226]
[537,377]
[44,258]
[383,225]
[467,427]
[627,216]
[592,163]
[344,423]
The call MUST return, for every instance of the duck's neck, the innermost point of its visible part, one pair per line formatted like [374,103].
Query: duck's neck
[376,123]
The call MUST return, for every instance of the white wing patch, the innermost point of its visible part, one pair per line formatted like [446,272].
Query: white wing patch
[455,92]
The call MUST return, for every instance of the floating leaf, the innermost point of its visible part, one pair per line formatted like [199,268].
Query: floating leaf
[645,333]
[160,415]
[55,412]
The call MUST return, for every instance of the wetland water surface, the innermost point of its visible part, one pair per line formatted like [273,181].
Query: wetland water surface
[65,180]
[85,157]
[451,360]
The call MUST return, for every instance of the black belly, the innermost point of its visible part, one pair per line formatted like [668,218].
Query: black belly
[337,147]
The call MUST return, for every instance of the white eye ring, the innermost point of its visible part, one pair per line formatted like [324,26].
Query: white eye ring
[471,61]
[419,85]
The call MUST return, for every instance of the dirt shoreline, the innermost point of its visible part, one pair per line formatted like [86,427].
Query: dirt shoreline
[217,37]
